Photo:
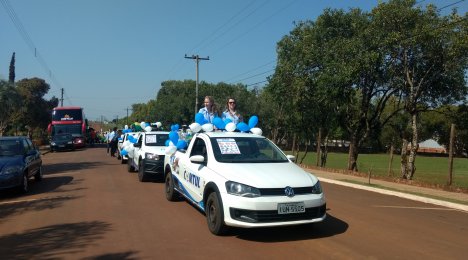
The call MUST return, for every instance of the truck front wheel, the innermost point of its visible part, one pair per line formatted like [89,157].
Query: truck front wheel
[215,215]
[171,193]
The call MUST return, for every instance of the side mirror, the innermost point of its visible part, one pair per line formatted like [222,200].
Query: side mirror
[137,145]
[292,158]
[199,159]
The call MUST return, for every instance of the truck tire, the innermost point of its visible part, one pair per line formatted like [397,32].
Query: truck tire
[141,172]
[215,215]
[130,167]
[171,193]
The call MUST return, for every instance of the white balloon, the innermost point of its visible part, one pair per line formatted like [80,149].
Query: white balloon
[171,149]
[148,129]
[131,153]
[158,124]
[256,131]
[230,127]
[207,127]
[195,127]
[143,124]
[126,127]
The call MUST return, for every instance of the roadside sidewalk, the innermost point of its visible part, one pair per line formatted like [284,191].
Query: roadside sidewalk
[455,200]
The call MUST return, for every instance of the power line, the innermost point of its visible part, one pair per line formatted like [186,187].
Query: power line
[27,39]
[256,75]
[178,64]
[251,70]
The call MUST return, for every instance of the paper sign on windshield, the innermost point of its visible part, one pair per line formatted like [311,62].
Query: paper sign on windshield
[150,139]
[228,146]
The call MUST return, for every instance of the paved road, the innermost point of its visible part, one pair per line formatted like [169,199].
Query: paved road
[90,207]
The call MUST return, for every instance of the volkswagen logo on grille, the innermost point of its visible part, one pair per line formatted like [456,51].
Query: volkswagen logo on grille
[289,191]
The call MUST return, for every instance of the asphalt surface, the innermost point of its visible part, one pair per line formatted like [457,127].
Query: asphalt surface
[90,207]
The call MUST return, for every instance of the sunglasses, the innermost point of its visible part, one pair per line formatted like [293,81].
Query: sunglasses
[231,102]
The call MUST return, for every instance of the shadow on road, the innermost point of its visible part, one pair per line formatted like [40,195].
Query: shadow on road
[130,255]
[8,209]
[50,169]
[48,184]
[331,226]
[52,242]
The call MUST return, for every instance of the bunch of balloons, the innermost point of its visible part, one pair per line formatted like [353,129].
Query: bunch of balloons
[226,124]
[175,142]
[127,146]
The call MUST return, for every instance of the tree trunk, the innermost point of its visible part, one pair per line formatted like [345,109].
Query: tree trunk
[319,142]
[404,158]
[306,150]
[413,148]
[323,161]
[353,155]
[390,171]
[293,146]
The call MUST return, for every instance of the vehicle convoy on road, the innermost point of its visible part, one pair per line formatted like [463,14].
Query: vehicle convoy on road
[148,155]
[124,157]
[19,161]
[243,180]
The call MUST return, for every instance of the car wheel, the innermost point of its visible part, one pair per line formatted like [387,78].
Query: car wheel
[171,193]
[141,172]
[38,176]
[215,215]
[24,187]
[130,167]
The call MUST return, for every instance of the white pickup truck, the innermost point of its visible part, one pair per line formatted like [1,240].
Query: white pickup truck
[243,180]
[148,155]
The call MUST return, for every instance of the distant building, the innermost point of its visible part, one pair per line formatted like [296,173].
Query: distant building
[431,146]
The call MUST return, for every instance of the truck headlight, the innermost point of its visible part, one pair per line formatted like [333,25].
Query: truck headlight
[52,143]
[317,188]
[152,156]
[242,190]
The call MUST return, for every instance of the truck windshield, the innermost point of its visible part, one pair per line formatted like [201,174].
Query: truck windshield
[156,139]
[246,150]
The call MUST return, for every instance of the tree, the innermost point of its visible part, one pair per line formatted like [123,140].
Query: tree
[10,102]
[35,111]
[11,76]
[428,55]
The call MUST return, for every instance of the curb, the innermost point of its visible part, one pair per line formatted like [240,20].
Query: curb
[399,194]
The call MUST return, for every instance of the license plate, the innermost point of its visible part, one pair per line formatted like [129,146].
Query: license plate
[61,145]
[291,208]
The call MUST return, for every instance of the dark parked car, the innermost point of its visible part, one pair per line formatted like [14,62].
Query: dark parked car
[19,161]
[61,142]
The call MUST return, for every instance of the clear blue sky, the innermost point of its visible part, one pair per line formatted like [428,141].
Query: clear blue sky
[110,54]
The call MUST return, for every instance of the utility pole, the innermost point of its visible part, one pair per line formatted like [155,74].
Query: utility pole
[126,121]
[197,60]
[61,99]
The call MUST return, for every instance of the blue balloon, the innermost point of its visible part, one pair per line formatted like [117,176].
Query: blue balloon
[227,121]
[243,127]
[219,123]
[253,121]
[176,127]
[132,139]
[174,137]
[167,142]
[181,144]
[200,118]
[123,152]
[120,138]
